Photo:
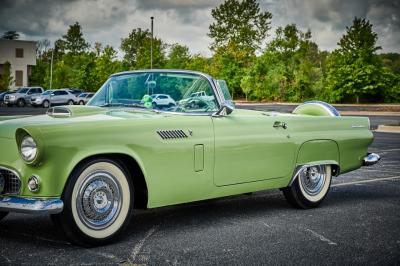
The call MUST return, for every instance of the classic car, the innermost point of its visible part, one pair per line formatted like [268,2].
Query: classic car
[90,166]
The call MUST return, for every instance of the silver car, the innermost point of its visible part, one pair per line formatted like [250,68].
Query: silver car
[83,98]
[22,96]
[54,97]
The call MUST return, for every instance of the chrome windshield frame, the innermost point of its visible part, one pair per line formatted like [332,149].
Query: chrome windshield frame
[213,83]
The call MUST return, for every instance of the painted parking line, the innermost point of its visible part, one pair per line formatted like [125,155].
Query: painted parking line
[366,181]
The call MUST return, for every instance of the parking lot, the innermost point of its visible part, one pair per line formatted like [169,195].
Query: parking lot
[358,223]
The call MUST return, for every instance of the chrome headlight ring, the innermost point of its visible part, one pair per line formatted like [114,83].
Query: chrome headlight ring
[28,149]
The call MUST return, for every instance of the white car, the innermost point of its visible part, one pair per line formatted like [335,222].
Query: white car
[83,98]
[162,100]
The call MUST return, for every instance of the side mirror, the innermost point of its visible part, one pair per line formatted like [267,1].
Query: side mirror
[52,94]
[226,108]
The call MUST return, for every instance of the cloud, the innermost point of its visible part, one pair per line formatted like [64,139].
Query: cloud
[187,21]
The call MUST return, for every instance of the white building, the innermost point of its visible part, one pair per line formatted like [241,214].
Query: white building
[22,56]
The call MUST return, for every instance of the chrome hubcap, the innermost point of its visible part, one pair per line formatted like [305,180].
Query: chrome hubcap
[313,179]
[99,200]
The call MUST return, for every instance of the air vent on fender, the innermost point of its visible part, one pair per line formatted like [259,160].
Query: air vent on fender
[172,134]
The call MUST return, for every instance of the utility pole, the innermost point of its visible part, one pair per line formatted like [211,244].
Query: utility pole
[151,48]
[51,67]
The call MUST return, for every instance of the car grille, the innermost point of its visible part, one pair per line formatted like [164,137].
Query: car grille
[9,181]
[6,97]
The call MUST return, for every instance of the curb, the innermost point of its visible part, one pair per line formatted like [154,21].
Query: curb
[388,129]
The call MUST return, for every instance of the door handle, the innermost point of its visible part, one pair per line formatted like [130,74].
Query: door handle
[280,124]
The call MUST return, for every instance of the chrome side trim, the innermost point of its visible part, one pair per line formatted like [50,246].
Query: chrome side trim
[300,168]
[58,112]
[31,205]
[371,159]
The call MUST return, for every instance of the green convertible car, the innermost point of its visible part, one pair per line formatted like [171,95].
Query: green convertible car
[91,166]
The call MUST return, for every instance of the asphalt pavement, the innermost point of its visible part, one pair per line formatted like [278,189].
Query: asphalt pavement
[358,224]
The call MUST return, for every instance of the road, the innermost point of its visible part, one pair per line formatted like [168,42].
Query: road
[358,224]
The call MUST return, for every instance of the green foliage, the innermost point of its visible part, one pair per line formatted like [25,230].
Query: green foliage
[137,52]
[73,42]
[10,35]
[290,67]
[355,71]
[178,57]
[6,78]
[239,22]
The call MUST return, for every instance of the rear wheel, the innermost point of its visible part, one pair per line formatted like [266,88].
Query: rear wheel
[3,215]
[310,187]
[98,203]
[81,103]
[70,102]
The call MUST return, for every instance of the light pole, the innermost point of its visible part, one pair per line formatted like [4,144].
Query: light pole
[151,44]
[51,67]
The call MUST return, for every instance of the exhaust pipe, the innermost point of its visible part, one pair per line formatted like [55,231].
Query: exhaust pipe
[371,159]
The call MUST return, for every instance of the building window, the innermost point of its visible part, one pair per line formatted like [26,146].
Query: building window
[19,77]
[19,52]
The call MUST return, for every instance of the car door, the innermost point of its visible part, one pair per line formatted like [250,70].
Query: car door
[251,147]
[64,97]
[55,97]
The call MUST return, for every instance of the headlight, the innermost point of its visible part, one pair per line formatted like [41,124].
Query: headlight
[12,97]
[28,149]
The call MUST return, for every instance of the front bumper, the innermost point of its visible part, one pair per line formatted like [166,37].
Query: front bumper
[31,205]
[371,159]
[10,101]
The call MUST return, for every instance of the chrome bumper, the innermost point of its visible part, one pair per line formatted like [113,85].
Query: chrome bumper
[371,159]
[31,205]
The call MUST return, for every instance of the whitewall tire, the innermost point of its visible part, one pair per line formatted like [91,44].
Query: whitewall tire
[310,187]
[98,203]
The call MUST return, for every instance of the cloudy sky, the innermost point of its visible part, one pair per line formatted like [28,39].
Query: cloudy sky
[187,21]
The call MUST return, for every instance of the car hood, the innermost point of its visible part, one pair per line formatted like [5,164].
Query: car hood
[78,114]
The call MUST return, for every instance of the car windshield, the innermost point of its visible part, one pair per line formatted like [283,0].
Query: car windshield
[23,90]
[167,91]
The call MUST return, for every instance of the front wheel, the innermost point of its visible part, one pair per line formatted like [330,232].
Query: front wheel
[310,187]
[3,215]
[70,102]
[20,103]
[98,203]
[46,104]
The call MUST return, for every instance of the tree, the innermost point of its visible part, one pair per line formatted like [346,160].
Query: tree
[73,41]
[132,44]
[105,65]
[178,57]
[354,69]
[10,35]
[239,22]
[6,79]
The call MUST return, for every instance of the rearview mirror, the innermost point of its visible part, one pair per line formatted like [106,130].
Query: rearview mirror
[226,108]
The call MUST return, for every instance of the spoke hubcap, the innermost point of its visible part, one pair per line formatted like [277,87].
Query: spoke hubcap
[99,200]
[313,179]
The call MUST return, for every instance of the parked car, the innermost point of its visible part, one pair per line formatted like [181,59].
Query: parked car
[162,100]
[54,97]
[83,98]
[91,166]
[2,95]
[22,96]
[75,91]
[198,99]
